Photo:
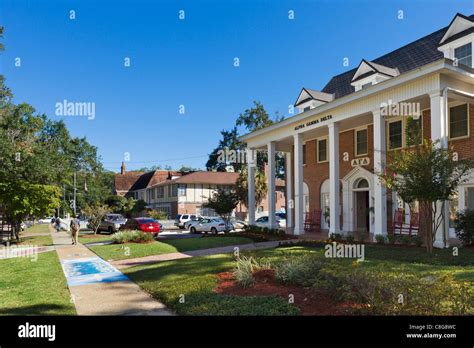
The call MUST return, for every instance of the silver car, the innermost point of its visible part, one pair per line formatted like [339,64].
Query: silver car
[213,225]
[112,223]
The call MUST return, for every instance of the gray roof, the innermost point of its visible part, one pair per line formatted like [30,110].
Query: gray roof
[412,56]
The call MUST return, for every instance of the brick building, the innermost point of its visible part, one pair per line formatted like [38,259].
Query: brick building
[185,193]
[344,132]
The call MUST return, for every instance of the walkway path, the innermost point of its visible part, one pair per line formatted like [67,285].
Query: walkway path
[203,252]
[98,288]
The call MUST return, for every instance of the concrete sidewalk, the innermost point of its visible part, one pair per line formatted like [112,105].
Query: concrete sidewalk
[203,252]
[93,290]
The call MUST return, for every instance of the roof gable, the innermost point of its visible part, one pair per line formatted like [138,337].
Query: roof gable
[459,25]
[307,94]
[366,69]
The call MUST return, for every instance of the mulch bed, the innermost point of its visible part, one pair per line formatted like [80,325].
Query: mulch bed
[309,301]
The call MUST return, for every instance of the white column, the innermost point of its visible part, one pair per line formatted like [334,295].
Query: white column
[439,131]
[271,184]
[251,160]
[380,192]
[334,197]
[299,204]
[439,120]
[290,203]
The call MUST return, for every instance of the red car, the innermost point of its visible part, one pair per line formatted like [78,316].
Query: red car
[143,224]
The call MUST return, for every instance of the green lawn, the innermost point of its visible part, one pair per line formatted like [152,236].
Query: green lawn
[195,277]
[34,288]
[35,236]
[38,228]
[133,250]
[93,239]
[36,240]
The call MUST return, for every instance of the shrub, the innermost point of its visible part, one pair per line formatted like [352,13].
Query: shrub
[350,239]
[464,227]
[405,239]
[391,238]
[362,237]
[335,237]
[380,238]
[157,215]
[417,240]
[244,269]
[388,293]
[300,270]
[122,237]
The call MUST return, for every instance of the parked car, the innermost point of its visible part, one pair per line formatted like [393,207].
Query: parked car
[46,220]
[111,223]
[263,222]
[188,223]
[238,224]
[182,218]
[144,224]
[213,225]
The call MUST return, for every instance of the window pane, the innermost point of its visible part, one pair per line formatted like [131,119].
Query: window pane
[361,142]
[470,198]
[395,135]
[322,150]
[414,131]
[458,121]
[464,54]
[304,154]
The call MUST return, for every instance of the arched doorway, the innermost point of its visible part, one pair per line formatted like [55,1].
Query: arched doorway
[362,204]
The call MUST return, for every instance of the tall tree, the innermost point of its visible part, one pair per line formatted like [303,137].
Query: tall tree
[251,119]
[38,159]
[223,203]
[227,153]
[260,187]
[256,118]
[427,174]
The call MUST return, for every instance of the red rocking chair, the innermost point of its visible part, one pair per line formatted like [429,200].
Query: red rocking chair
[312,221]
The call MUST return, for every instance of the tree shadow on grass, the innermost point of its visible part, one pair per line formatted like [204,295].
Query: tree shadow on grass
[39,309]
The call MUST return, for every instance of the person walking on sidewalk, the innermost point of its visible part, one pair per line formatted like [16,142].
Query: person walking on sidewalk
[57,224]
[75,227]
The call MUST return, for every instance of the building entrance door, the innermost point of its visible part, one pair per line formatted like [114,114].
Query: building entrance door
[362,210]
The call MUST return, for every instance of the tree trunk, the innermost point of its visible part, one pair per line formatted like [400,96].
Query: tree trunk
[426,225]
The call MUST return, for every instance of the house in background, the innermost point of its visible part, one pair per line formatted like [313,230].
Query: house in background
[185,193]
[345,132]
[134,183]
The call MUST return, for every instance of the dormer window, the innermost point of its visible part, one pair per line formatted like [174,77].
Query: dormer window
[463,54]
[458,40]
[309,99]
[370,73]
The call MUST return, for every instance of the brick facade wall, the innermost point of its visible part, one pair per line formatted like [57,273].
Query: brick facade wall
[314,174]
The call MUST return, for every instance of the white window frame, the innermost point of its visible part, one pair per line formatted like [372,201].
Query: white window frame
[365,128]
[317,149]
[404,133]
[393,120]
[160,192]
[452,105]
[462,45]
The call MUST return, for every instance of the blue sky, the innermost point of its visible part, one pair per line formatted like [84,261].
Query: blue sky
[191,62]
